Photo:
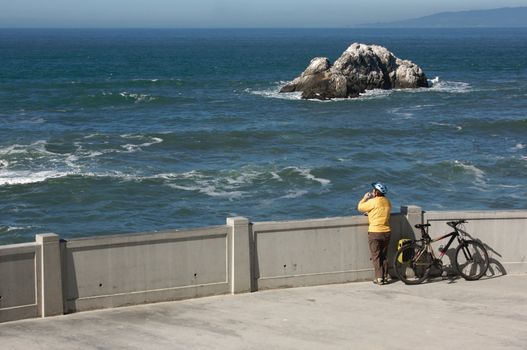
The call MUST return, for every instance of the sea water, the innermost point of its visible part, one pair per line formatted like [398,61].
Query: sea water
[117,131]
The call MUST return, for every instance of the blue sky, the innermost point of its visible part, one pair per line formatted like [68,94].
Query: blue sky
[225,13]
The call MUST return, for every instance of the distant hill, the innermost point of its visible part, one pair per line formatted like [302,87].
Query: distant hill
[503,17]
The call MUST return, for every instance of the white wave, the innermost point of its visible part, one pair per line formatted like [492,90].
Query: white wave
[230,184]
[16,228]
[307,174]
[37,147]
[422,106]
[4,163]
[133,136]
[137,98]
[93,154]
[211,185]
[275,93]
[294,194]
[141,137]
[519,146]
[374,94]
[184,188]
[90,136]
[214,192]
[134,148]
[211,191]
[448,86]
[509,186]
[28,177]
[150,80]
[24,177]
[276,176]
[402,112]
[479,174]
[70,161]
[36,120]
[458,127]
[131,148]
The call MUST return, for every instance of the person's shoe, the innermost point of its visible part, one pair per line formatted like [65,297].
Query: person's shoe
[388,279]
[378,281]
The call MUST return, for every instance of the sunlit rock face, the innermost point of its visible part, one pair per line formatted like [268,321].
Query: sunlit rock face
[361,67]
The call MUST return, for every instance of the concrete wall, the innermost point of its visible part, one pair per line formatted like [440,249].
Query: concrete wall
[314,252]
[18,281]
[51,277]
[104,272]
[30,279]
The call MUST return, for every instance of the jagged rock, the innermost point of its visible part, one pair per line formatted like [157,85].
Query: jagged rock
[359,68]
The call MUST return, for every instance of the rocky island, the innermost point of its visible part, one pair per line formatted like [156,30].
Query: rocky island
[361,67]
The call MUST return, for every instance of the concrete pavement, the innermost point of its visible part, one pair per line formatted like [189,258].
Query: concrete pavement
[485,314]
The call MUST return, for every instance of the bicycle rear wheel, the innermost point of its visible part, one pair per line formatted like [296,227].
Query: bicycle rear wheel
[472,260]
[412,263]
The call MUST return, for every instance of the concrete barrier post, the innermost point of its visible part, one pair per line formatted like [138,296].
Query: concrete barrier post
[241,257]
[414,215]
[51,275]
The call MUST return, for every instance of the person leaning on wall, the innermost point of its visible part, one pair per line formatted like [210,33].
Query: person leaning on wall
[378,208]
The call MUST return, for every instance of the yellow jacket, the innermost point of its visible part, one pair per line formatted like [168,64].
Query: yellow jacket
[378,209]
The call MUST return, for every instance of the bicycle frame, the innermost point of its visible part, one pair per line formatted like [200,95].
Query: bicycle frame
[453,235]
[428,241]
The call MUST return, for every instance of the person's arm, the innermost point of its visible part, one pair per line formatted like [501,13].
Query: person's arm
[365,204]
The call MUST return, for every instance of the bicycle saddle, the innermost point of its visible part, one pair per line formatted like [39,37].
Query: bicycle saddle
[422,225]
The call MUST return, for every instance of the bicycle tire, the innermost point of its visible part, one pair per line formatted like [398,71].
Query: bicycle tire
[471,260]
[412,263]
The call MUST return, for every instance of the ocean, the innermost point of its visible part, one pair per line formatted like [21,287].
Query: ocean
[119,131]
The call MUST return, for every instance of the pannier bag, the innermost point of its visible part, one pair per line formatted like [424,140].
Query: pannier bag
[408,253]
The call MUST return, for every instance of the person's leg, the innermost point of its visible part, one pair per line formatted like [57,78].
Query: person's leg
[375,251]
[384,255]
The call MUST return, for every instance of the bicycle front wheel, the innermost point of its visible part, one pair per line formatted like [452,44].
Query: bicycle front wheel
[412,263]
[472,260]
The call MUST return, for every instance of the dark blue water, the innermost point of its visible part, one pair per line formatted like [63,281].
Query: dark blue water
[114,131]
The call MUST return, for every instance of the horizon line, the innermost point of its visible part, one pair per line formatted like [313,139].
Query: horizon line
[270,28]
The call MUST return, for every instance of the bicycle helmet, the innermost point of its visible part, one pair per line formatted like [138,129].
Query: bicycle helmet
[380,187]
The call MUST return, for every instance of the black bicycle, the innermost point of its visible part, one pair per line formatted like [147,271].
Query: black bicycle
[415,258]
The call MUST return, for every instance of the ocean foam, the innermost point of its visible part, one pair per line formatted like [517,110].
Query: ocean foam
[275,93]
[479,175]
[6,229]
[276,176]
[137,98]
[297,95]
[294,194]
[402,112]
[233,184]
[28,177]
[210,190]
[307,174]
[24,177]
[37,147]
[458,127]
[374,94]
[134,148]
[225,186]
[455,87]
